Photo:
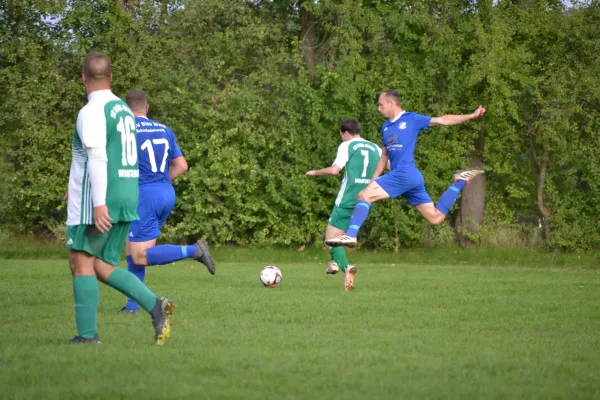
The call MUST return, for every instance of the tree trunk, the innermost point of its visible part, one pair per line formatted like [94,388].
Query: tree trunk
[544,212]
[308,38]
[469,217]
[541,164]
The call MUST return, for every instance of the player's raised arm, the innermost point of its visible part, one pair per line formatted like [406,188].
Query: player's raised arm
[338,164]
[333,170]
[448,120]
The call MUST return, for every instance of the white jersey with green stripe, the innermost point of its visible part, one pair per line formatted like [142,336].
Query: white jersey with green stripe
[360,158]
[105,127]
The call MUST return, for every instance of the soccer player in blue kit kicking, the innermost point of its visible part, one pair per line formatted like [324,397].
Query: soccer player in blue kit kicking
[399,134]
[160,163]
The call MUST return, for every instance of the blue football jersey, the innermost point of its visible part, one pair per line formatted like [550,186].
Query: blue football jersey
[157,146]
[400,137]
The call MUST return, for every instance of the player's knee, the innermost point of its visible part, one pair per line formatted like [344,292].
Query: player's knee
[72,267]
[79,264]
[139,258]
[72,264]
[437,219]
[363,195]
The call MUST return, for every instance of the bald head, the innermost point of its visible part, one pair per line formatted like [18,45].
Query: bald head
[389,104]
[393,96]
[136,100]
[96,67]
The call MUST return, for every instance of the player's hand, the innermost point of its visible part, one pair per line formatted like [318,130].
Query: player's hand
[66,198]
[102,218]
[310,173]
[479,112]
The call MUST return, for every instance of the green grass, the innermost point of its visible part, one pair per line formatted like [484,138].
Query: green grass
[15,248]
[409,331]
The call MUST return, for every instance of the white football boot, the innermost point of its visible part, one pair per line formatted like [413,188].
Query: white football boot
[345,241]
[332,268]
[467,174]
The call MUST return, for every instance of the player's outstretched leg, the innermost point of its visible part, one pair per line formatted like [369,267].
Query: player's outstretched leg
[168,253]
[160,309]
[349,275]
[204,256]
[461,179]
[161,319]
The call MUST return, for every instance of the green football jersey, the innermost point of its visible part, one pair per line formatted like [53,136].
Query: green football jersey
[359,157]
[106,122]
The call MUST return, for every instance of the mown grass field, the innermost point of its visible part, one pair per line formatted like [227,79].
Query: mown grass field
[482,324]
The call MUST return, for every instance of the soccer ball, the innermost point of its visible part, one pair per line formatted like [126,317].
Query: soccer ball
[270,276]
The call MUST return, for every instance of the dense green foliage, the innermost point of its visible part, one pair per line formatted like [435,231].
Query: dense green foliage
[255,97]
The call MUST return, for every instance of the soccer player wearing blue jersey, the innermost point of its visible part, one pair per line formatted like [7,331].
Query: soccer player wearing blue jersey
[399,135]
[160,163]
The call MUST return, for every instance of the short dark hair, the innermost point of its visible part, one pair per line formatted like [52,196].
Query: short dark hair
[393,95]
[350,125]
[136,99]
[96,66]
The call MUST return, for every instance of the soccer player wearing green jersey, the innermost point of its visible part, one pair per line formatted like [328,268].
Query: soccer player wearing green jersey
[102,202]
[359,157]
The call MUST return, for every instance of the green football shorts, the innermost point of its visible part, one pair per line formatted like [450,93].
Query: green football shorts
[106,246]
[340,218]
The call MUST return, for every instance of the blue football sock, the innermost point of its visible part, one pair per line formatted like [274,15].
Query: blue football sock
[168,253]
[448,198]
[358,217]
[140,272]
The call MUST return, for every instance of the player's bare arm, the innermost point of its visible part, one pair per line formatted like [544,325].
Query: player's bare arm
[98,176]
[449,120]
[333,170]
[178,167]
[98,180]
[382,164]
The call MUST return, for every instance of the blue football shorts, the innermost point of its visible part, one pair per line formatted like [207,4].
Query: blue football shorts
[406,182]
[154,207]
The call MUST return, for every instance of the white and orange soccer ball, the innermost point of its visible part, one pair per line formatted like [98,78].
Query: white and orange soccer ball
[270,276]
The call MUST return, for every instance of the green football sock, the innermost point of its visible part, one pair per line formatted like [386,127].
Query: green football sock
[87,298]
[128,284]
[338,254]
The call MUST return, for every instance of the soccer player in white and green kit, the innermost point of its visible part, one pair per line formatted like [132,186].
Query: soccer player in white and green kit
[359,157]
[102,202]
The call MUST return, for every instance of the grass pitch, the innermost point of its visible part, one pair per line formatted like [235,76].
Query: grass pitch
[407,331]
